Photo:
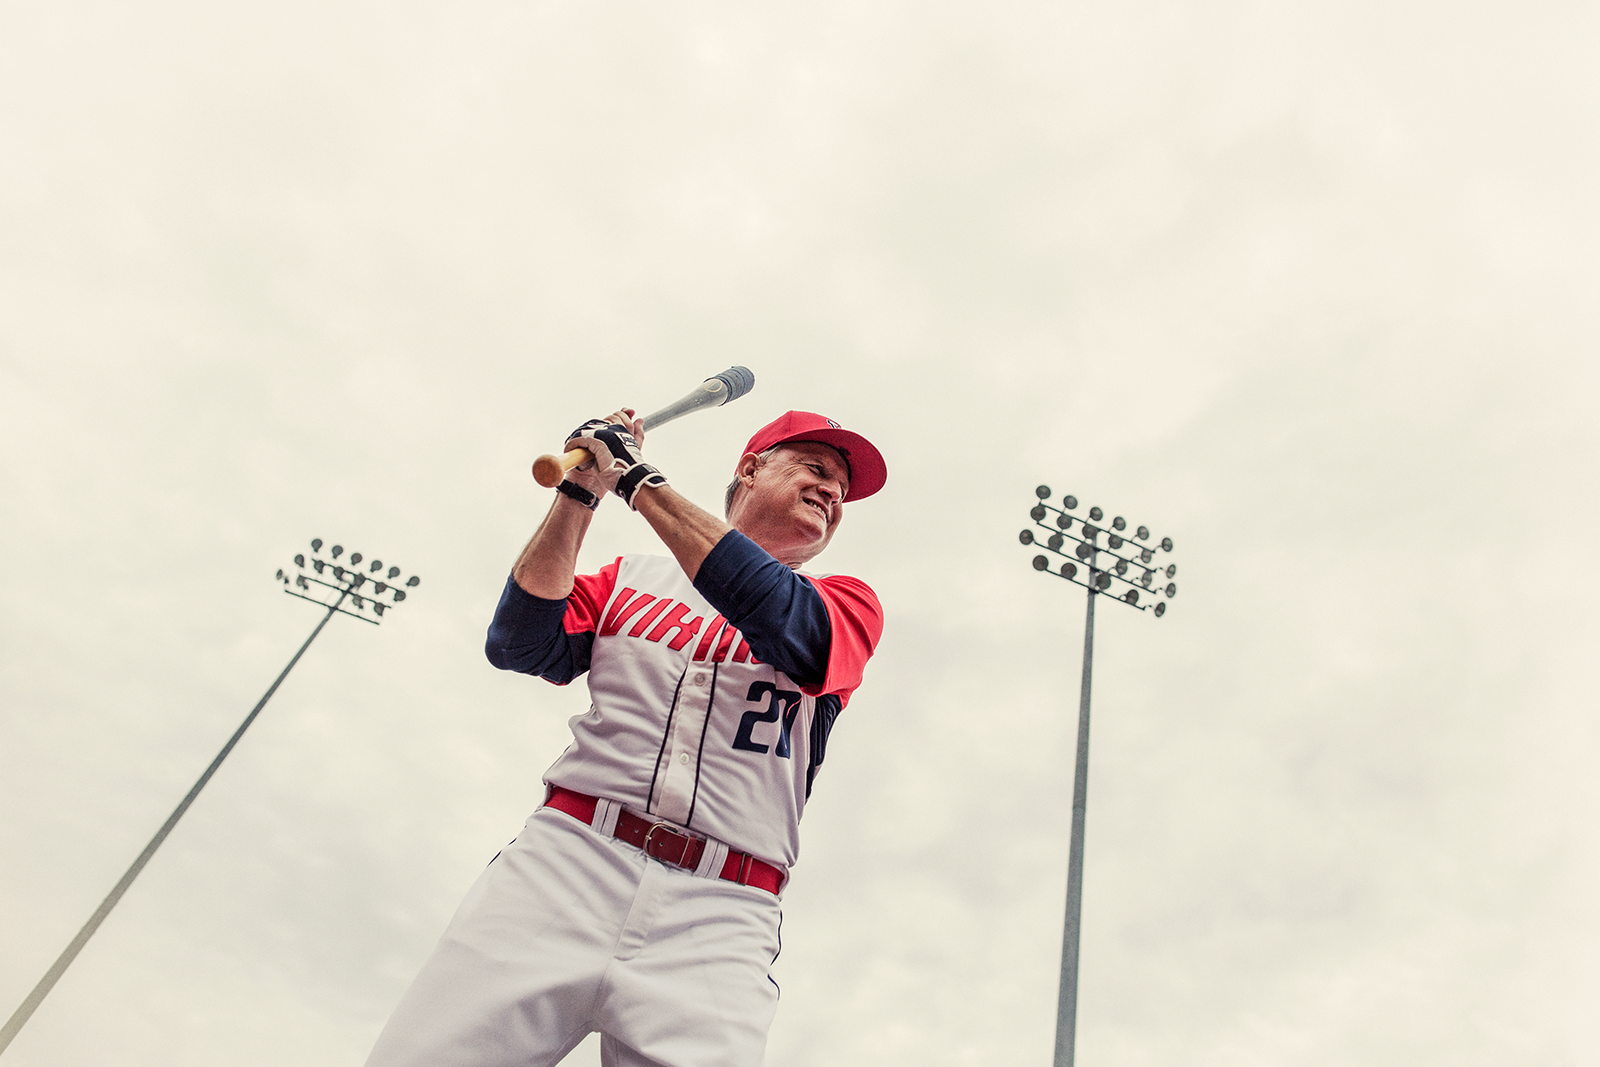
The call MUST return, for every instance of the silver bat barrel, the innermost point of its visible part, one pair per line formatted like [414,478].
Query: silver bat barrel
[715,391]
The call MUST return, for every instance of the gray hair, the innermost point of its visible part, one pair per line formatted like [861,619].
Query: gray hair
[733,486]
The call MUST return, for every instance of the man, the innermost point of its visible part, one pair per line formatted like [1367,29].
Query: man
[642,899]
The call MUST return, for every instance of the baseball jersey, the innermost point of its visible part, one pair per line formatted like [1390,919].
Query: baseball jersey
[711,701]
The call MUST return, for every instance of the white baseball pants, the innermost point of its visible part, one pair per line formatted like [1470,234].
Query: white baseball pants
[568,932]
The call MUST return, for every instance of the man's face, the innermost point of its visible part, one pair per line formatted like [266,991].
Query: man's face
[792,502]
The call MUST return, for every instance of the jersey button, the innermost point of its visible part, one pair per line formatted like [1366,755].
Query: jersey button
[700,679]
[683,758]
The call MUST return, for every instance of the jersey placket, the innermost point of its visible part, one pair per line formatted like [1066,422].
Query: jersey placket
[679,772]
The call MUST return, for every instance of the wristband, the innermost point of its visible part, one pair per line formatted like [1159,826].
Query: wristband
[635,478]
[577,492]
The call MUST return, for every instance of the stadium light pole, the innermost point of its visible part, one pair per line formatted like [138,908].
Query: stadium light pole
[346,594]
[1133,568]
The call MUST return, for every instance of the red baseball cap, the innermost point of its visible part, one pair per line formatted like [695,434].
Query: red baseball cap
[868,472]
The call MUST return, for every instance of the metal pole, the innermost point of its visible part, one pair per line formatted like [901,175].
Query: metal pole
[40,991]
[1067,1005]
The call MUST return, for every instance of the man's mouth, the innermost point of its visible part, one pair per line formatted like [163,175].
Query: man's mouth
[821,508]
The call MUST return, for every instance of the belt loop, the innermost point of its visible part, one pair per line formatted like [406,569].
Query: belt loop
[606,813]
[744,868]
[712,859]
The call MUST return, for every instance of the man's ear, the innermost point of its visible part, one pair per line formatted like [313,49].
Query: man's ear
[749,463]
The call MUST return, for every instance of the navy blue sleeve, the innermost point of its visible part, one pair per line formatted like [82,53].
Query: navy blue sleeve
[779,612]
[527,635]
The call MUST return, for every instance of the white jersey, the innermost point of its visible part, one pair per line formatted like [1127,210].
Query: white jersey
[686,725]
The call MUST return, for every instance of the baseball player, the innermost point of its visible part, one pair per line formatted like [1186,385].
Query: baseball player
[642,899]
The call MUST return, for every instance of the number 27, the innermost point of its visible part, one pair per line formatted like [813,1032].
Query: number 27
[781,703]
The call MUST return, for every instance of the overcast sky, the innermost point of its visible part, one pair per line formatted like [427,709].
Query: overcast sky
[1309,288]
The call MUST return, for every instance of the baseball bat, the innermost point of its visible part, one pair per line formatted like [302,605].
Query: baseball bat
[715,391]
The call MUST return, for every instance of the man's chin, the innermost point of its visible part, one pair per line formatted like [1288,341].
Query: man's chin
[817,529]
[819,541]
[807,542]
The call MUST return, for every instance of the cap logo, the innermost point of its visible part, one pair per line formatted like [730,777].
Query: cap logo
[830,422]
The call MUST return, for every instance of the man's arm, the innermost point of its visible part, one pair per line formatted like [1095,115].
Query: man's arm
[530,629]
[688,531]
[528,632]
[549,562]
[786,618]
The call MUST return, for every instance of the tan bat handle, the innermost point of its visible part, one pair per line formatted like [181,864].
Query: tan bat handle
[549,470]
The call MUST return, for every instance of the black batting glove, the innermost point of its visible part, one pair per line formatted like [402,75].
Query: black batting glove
[617,456]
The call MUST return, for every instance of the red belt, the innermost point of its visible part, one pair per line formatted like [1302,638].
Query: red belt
[666,844]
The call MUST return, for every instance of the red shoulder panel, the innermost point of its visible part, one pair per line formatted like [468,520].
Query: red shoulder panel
[856,618]
[588,598]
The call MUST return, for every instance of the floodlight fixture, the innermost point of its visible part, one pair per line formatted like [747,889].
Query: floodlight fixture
[1172,570]
[1098,579]
[394,572]
[413,581]
[332,596]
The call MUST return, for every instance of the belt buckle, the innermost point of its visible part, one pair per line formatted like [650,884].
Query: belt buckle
[746,868]
[670,832]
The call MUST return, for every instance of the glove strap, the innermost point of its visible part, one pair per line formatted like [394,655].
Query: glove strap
[579,493]
[637,477]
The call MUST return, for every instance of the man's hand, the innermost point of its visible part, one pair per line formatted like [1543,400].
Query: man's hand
[601,477]
[618,463]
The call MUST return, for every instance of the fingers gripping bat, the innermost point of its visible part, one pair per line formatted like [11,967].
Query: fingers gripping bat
[715,391]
